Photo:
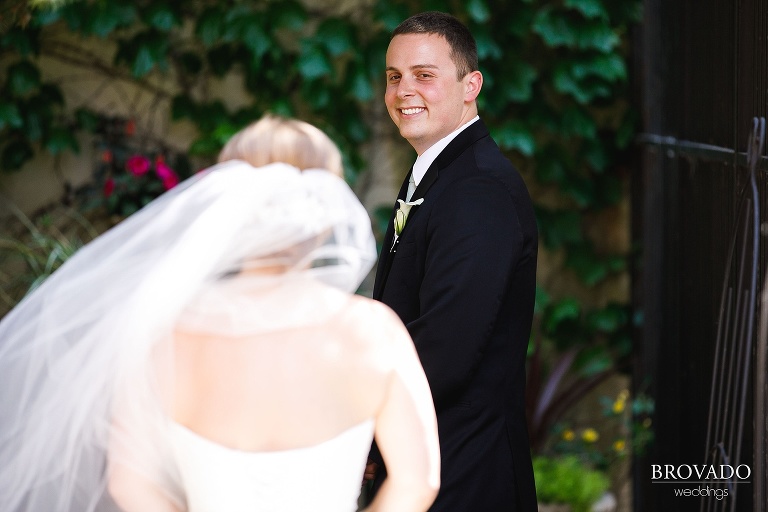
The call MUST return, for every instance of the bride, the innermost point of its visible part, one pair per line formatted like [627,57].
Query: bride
[207,354]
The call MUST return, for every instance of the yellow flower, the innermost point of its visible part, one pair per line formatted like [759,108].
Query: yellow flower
[621,402]
[568,435]
[590,435]
[619,445]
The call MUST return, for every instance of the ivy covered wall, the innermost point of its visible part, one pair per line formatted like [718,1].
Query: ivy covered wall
[90,86]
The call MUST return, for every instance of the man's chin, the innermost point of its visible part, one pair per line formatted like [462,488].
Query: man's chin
[410,134]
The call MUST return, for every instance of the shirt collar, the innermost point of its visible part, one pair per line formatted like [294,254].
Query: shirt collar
[422,163]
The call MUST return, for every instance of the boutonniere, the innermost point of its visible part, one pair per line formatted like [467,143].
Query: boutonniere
[401,217]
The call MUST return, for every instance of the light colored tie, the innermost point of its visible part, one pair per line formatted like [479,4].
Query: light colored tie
[411,188]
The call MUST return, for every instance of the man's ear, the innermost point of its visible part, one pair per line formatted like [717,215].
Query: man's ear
[473,82]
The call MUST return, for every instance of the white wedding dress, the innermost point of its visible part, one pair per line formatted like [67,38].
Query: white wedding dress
[323,477]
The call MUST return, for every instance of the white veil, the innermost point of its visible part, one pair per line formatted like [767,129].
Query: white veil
[71,351]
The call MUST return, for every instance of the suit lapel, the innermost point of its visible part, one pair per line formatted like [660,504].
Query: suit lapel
[466,138]
[385,258]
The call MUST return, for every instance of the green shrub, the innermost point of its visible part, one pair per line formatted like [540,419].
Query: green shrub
[567,480]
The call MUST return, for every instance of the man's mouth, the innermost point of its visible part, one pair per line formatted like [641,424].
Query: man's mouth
[412,110]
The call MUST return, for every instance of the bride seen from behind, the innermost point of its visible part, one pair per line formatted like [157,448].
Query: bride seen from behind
[227,366]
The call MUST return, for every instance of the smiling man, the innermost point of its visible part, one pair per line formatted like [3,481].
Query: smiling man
[461,272]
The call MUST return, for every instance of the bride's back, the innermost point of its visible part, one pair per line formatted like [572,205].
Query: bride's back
[292,386]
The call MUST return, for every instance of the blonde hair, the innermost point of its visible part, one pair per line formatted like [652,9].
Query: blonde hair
[276,139]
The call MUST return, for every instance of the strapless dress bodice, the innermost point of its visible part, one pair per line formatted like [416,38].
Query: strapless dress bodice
[319,478]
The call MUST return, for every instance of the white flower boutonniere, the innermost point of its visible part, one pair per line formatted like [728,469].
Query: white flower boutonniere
[401,216]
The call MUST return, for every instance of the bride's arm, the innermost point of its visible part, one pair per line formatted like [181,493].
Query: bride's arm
[406,433]
[135,477]
[135,493]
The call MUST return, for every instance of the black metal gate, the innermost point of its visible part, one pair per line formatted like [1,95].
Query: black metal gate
[699,205]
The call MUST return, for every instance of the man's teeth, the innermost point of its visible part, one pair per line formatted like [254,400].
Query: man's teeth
[410,111]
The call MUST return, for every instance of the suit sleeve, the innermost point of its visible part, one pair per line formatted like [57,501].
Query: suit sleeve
[474,242]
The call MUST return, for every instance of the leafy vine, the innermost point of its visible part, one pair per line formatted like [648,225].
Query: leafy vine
[555,97]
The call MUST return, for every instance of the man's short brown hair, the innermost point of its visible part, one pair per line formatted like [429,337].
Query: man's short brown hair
[463,45]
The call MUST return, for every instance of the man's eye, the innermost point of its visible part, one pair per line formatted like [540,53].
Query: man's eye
[393,78]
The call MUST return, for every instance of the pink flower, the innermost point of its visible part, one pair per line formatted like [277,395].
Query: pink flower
[109,187]
[166,174]
[138,165]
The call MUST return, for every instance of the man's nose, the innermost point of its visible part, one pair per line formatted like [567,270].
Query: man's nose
[405,88]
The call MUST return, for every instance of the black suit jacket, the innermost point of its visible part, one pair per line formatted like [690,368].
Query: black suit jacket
[462,278]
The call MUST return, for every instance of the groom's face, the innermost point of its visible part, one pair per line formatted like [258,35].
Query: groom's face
[424,96]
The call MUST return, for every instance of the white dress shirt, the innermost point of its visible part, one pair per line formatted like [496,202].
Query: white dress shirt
[422,163]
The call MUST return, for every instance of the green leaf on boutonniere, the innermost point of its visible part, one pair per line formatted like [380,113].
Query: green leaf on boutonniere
[401,215]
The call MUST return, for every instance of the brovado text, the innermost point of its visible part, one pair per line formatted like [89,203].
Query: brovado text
[699,472]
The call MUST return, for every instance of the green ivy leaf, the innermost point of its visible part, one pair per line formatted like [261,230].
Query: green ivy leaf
[316,94]
[336,35]
[313,64]
[107,16]
[210,26]
[361,88]
[356,129]
[543,299]
[558,228]
[15,154]
[574,79]
[36,115]
[581,190]
[283,107]
[593,361]
[87,119]
[596,156]
[553,30]
[514,135]
[60,140]
[597,36]
[254,37]
[390,14]
[550,170]
[23,77]
[576,122]
[564,310]
[237,17]
[206,146]
[288,15]
[161,16]
[581,259]
[23,41]
[590,9]
[487,48]
[143,62]
[609,319]
[519,85]
[10,116]
[44,17]
[478,11]
[223,133]
[151,50]
[609,67]
[210,115]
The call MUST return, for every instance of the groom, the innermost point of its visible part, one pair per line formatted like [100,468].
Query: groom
[462,272]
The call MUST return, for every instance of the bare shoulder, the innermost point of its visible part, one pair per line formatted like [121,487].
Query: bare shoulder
[369,315]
